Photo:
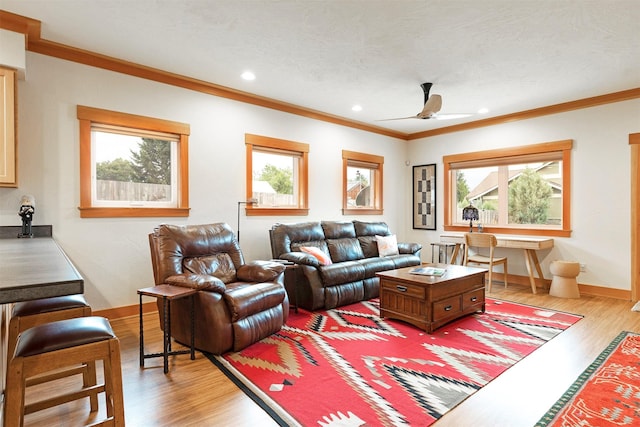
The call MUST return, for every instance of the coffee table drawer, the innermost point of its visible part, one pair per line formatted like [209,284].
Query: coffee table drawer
[446,308]
[472,298]
[413,291]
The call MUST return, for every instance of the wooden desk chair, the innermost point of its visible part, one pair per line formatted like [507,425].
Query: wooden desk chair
[484,240]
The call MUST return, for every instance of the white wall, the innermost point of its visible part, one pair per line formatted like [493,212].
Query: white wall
[112,254]
[600,184]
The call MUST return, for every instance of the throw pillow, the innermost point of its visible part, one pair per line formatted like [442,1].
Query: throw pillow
[322,257]
[387,245]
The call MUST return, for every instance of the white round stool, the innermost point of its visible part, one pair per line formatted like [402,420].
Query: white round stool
[564,283]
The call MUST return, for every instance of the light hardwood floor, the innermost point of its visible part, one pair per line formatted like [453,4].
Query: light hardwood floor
[195,393]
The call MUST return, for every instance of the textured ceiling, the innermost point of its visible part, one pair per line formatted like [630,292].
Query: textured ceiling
[507,56]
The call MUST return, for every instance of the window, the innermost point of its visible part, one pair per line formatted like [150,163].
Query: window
[362,183]
[132,166]
[277,176]
[521,190]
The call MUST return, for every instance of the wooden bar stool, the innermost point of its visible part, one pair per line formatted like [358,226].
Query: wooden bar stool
[57,345]
[28,314]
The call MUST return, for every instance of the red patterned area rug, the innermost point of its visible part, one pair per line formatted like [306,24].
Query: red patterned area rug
[348,367]
[607,393]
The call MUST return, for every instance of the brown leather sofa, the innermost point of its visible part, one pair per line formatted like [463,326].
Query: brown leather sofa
[353,249]
[238,303]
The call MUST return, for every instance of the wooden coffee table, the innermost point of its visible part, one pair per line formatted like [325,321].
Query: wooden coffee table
[429,302]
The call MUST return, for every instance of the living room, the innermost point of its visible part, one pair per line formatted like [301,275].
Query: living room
[112,254]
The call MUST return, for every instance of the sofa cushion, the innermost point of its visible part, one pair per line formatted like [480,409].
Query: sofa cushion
[347,249]
[369,246]
[338,229]
[342,272]
[345,293]
[375,264]
[387,245]
[371,228]
[322,257]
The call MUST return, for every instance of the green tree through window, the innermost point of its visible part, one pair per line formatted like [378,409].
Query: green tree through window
[152,163]
[529,198]
[462,188]
[280,179]
[115,170]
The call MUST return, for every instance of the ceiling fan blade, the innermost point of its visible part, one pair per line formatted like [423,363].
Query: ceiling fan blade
[450,116]
[431,107]
[398,118]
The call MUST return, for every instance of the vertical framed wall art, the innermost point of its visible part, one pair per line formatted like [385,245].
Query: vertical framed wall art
[424,197]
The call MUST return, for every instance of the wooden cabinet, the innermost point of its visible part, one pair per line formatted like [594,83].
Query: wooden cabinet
[8,155]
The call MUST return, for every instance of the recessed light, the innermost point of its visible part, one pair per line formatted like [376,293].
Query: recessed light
[357,108]
[248,75]
[483,110]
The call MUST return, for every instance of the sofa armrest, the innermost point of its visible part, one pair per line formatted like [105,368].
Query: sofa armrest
[260,271]
[202,282]
[301,258]
[409,248]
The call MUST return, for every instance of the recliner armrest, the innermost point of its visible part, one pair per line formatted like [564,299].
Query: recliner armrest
[260,271]
[409,248]
[301,258]
[202,282]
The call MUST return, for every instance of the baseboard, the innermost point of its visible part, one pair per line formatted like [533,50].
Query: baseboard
[126,311]
[600,291]
[543,284]
[585,289]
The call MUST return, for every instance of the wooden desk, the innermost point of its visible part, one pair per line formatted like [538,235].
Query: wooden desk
[530,244]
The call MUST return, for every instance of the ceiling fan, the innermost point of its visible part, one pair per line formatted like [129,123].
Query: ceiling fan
[432,105]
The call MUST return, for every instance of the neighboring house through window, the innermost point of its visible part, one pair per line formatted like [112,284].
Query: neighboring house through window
[362,183]
[277,176]
[132,166]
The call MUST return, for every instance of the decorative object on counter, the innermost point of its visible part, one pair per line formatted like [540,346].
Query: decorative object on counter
[246,202]
[470,213]
[27,209]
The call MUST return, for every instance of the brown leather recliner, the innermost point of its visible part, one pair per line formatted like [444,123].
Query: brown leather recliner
[237,304]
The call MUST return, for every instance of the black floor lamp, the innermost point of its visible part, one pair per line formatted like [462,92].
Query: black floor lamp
[246,202]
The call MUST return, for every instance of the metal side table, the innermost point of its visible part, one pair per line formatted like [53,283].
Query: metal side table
[167,293]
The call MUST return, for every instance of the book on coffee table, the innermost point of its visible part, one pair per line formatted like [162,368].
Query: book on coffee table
[428,271]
